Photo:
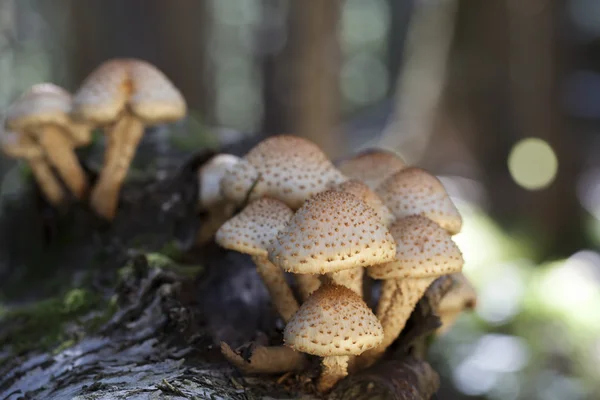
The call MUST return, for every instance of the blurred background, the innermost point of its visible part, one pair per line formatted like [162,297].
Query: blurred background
[500,98]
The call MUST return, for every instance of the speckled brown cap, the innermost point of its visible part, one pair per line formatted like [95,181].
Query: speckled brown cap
[252,230]
[423,250]
[291,169]
[414,191]
[331,232]
[239,179]
[333,321]
[44,103]
[363,192]
[372,166]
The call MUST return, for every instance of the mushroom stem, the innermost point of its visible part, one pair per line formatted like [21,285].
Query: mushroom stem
[58,148]
[335,368]
[266,359]
[352,278]
[307,283]
[281,294]
[46,181]
[406,296]
[122,140]
[388,288]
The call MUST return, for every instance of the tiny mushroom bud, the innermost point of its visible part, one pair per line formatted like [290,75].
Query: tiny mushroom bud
[332,232]
[43,113]
[124,95]
[251,232]
[285,167]
[372,166]
[18,145]
[414,191]
[424,252]
[363,192]
[462,296]
[210,176]
[334,323]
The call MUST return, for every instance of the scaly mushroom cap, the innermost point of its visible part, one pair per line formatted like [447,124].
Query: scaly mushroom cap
[333,321]
[363,192]
[252,230]
[331,232]
[119,83]
[424,249]
[290,169]
[372,166]
[414,191]
[44,103]
[210,176]
[239,179]
[18,145]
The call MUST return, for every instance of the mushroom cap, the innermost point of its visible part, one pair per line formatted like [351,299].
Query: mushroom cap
[290,169]
[119,83]
[333,321]
[424,249]
[252,230]
[17,145]
[461,296]
[331,232]
[363,192]
[372,166]
[44,103]
[239,179]
[210,176]
[414,191]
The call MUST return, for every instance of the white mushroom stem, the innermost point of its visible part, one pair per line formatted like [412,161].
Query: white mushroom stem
[281,294]
[122,140]
[352,278]
[335,368]
[406,296]
[266,359]
[58,148]
[46,181]
[307,283]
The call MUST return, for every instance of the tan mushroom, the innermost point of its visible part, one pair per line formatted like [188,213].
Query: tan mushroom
[331,233]
[462,296]
[414,191]
[372,166]
[22,146]
[424,252]
[285,167]
[366,194]
[124,96]
[251,232]
[334,323]
[43,112]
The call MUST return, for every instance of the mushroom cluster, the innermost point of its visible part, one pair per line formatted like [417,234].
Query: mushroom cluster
[46,124]
[329,228]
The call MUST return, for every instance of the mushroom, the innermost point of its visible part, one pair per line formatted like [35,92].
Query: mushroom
[124,95]
[259,359]
[43,112]
[372,166]
[334,323]
[414,191]
[363,192]
[460,297]
[424,252]
[251,232]
[285,167]
[18,145]
[332,232]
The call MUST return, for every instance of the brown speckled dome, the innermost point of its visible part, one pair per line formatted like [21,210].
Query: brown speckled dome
[372,166]
[331,232]
[291,169]
[414,191]
[333,321]
[363,192]
[424,249]
[254,227]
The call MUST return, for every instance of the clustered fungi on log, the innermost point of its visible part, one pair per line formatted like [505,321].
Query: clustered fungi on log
[327,226]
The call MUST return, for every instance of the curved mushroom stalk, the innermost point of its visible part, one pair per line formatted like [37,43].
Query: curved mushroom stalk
[59,151]
[46,180]
[122,141]
[335,369]
[388,288]
[352,278]
[307,283]
[266,360]
[274,279]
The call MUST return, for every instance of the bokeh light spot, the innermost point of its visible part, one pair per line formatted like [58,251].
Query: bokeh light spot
[532,164]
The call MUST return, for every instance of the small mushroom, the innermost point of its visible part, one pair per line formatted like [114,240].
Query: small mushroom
[18,145]
[414,191]
[43,112]
[462,296]
[363,192]
[251,232]
[424,252]
[372,166]
[333,232]
[334,323]
[257,359]
[124,96]
[285,167]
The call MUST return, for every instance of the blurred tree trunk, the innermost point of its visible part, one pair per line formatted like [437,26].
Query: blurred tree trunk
[172,35]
